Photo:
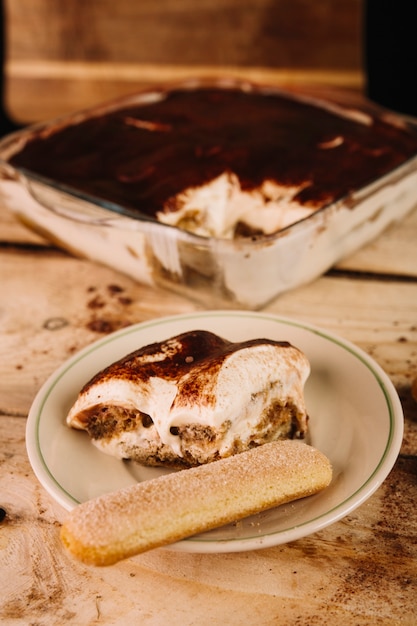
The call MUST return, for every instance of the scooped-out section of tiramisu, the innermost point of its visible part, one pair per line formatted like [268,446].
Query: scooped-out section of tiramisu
[195,398]
[222,209]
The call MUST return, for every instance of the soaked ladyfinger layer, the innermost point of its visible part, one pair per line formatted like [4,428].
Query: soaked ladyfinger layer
[172,507]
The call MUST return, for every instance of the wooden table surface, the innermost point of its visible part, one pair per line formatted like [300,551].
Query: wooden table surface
[360,571]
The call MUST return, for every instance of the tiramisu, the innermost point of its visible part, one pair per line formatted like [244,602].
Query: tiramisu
[227,192]
[195,398]
[217,161]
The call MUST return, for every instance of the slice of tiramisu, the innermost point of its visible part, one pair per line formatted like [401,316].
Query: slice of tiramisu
[195,398]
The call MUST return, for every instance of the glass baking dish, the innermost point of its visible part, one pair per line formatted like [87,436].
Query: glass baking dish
[242,272]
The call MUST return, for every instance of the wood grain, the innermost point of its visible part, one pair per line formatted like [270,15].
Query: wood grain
[65,56]
[284,33]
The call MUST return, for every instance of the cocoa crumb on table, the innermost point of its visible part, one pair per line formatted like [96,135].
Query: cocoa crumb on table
[414,389]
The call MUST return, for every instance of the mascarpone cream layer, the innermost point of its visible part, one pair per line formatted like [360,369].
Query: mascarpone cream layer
[215,209]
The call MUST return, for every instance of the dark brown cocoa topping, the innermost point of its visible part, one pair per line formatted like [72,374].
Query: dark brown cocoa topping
[176,357]
[140,157]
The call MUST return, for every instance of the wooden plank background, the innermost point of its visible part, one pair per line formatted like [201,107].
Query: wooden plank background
[61,56]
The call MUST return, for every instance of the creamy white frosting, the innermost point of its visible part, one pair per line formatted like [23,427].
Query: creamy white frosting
[214,210]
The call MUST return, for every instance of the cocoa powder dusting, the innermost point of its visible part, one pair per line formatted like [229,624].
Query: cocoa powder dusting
[414,389]
[121,157]
[112,304]
[376,567]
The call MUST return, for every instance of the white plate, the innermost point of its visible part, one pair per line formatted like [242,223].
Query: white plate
[356,419]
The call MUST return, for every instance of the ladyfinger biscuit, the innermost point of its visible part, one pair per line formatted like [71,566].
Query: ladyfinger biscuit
[171,507]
